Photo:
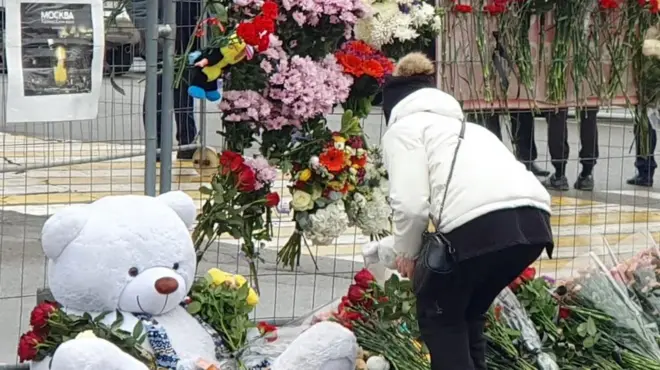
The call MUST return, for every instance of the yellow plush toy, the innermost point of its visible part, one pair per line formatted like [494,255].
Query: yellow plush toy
[209,65]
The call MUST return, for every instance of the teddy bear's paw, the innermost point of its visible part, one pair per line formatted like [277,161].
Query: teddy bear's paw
[325,346]
[93,354]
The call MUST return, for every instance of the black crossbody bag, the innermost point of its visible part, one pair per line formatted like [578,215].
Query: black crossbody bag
[438,255]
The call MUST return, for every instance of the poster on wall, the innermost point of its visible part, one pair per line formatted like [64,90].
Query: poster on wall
[54,51]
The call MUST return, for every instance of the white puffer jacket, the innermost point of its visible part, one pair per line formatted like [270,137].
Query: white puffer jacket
[418,150]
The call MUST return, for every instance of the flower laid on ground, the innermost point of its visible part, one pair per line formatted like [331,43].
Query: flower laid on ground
[239,203]
[324,175]
[51,326]
[368,67]
[224,301]
[399,27]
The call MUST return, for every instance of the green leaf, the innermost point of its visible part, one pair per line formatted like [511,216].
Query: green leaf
[219,11]
[118,321]
[137,330]
[591,327]
[100,317]
[588,342]
[205,190]
[582,329]
[194,307]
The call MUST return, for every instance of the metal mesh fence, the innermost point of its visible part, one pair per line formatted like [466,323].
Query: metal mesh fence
[47,166]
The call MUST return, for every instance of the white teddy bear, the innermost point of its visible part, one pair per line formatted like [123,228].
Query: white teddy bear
[135,254]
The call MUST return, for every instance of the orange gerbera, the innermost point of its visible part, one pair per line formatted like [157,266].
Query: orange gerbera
[351,64]
[333,159]
[372,68]
[360,47]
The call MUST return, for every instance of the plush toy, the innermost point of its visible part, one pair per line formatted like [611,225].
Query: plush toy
[134,254]
[208,66]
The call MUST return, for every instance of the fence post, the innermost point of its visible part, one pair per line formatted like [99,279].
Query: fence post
[151,106]
[167,97]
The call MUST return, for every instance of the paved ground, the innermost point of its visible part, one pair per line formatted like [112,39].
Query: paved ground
[615,212]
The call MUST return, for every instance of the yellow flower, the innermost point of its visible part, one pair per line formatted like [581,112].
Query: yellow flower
[86,334]
[252,298]
[335,185]
[339,139]
[239,280]
[218,276]
[305,175]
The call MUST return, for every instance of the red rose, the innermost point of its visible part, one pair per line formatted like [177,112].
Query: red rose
[272,199]
[364,278]
[383,300]
[248,32]
[268,331]
[356,293]
[344,304]
[462,8]
[355,142]
[514,285]
[564,313]
[351,316]
[27,346]
[246,180]
[230,161]
[40,315]
[270,10]
[529,274]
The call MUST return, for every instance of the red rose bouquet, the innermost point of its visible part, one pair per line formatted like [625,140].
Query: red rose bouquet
[50,327]
[368,67]
[239,204]
[326,169]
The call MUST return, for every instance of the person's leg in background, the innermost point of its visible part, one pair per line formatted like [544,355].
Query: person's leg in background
[589,148]
[187,14]
[522,130]
[645,164]
[490,120]
[559,149]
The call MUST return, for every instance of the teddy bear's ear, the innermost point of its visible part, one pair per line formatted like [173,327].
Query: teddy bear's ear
[182,204]
[62,228]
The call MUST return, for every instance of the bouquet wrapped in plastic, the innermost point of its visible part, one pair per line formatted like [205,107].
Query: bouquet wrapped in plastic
[603,319]
[508,309]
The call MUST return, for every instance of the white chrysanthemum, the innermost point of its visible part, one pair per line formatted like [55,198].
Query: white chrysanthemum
[437,24]
[421,14]
[405,34]
[327,224]
[374,217]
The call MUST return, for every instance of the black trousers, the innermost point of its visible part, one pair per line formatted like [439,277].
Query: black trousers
[558,140]
[646,164]
[522,130]
[451,308]
[187,13]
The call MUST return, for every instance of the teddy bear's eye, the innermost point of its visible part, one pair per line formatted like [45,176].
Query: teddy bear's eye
[133,271]
[175,266]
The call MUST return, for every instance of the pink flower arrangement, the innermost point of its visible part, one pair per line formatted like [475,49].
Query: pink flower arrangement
[307,89]
[245,106]
[339,11]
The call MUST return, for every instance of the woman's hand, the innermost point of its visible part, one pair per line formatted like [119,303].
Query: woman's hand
[405,266]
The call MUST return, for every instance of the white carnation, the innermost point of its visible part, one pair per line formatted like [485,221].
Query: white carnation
[327,224]
[437,24]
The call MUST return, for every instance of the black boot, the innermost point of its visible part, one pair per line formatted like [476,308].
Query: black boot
[641,180]
[533,168]
[556,182]
[584,182]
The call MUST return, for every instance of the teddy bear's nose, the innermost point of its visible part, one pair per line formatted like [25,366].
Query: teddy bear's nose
[166,285]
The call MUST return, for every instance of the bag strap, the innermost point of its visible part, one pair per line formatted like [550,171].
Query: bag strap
[461,136]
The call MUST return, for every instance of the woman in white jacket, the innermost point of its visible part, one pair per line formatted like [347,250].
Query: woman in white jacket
[495,214]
